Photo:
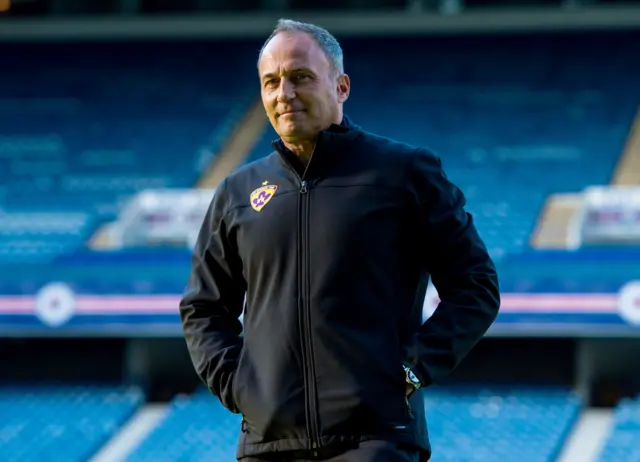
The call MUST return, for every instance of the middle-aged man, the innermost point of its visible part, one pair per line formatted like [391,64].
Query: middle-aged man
[332,238]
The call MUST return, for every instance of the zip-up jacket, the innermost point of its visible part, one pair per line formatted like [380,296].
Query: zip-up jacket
[334,264]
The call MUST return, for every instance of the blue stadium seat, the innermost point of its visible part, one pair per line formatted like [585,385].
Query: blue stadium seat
[623,443]
[196,428]
[36,237]
[470,424]
[61,424]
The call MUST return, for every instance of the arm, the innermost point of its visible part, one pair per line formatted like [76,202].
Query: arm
[213,302]
[461,270]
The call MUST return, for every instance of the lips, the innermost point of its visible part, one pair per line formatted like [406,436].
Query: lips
[291,112]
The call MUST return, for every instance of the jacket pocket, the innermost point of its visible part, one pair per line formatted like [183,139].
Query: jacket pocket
[226,394]
[236,380]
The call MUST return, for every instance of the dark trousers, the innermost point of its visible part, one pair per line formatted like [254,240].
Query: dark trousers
[368,451]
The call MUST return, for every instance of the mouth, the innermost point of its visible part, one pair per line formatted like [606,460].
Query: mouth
[290,112]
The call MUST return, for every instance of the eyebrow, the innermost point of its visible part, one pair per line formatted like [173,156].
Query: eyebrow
[267,76]
[292,71]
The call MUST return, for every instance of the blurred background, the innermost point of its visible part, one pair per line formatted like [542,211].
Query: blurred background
[118,118]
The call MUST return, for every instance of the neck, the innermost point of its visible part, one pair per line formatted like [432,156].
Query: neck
[302,149]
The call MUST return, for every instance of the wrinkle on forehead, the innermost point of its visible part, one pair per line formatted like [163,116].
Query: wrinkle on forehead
[288,63]
[289,52]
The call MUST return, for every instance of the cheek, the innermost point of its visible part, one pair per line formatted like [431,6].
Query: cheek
[271,112]
[329,102]
[268,101]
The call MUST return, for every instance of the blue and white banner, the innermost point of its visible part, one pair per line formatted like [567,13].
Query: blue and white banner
[57,310]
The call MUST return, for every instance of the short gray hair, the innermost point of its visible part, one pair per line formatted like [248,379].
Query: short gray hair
[323,37]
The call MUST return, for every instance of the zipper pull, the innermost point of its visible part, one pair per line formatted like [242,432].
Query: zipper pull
[303,188]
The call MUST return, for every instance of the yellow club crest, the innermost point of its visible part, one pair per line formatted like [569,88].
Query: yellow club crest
[261,196]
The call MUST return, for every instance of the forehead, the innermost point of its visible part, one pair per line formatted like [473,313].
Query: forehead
[291,50]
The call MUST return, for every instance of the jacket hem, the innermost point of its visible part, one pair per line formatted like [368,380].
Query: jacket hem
[303,444]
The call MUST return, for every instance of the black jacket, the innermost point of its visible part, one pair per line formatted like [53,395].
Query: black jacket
[334,266]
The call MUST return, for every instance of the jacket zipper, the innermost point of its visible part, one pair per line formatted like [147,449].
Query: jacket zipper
[303,285]
[306,313]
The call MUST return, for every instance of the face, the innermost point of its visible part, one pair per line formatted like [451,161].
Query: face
[301,93]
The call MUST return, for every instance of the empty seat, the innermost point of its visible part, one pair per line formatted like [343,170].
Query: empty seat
[65,424]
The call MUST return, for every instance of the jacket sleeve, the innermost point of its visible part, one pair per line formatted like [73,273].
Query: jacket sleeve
[461,270]
[213,302]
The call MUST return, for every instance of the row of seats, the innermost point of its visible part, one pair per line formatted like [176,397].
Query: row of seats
[36,237]
[83,127]
[61,424]
[623,442]
[43,224]
[466,424]
[471,425]
[195,428]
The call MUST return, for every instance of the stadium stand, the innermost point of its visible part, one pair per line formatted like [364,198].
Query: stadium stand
[61,423]
[77,140]
[508,134]
[469,424]
[195,428]
[623,442]
[81,138]
[28,237]
[106,121]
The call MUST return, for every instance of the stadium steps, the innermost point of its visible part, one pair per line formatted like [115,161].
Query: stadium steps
[132,434]
[588,437]
[628,169]
[554,227]
[237,148]
[101,239]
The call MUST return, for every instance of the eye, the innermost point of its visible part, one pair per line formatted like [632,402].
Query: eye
[271,83]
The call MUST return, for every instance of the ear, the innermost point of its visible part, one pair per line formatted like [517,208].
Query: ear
[344,88]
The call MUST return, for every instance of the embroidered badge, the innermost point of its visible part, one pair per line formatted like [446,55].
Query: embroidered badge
[262,195]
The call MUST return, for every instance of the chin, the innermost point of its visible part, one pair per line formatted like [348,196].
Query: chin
[289,129]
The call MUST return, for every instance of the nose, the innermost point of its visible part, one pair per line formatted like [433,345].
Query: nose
[286,91]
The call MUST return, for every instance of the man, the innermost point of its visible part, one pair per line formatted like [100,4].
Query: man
[332,238]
